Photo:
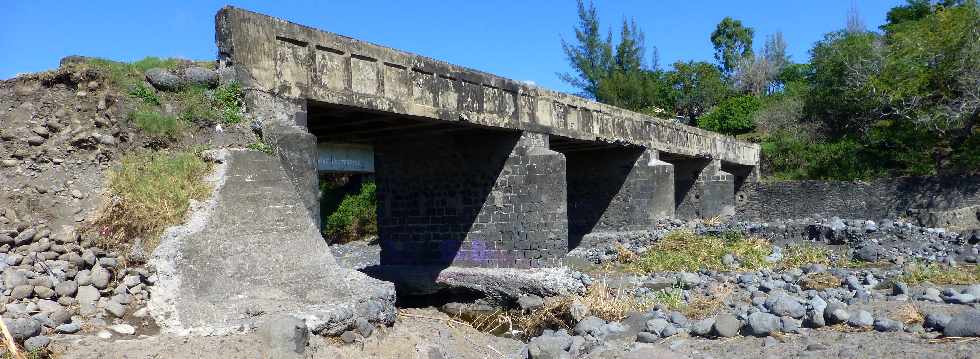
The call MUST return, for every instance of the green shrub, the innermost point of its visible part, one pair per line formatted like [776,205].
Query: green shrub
[733,116]
[795,159]
[229,100]
[688,252]
[145,93]
[260,146]
[152,191]
[125,76]
[202,105]
[155,124]
[355,217]
[671,298]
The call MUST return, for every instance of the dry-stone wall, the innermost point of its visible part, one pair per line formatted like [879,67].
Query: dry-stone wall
[952,202]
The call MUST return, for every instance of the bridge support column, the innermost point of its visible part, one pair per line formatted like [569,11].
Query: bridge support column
[617,189]
[703,190]
[486,199]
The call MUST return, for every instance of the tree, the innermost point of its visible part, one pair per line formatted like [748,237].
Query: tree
[854,22]
[911,11]
[930,82]
[774,51]
[733,116]
[697,86]
[732,42]
[912,95]
[840,97]
[758,75]
[627,84]
[915,10]
[591,57]
[629,52]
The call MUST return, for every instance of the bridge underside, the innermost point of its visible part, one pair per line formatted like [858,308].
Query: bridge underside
[473,169]
[457,194]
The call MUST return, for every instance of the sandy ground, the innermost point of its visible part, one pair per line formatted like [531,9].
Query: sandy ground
[419,333]
[427,333]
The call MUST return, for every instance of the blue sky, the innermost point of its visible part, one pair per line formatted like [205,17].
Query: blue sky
[515,39]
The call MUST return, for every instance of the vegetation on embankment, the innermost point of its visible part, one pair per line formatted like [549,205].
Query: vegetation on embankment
[685,251]
[166,115]
[354,217]
[152,185]
[150,191]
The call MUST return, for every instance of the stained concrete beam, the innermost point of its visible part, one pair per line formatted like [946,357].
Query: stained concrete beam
[292,61]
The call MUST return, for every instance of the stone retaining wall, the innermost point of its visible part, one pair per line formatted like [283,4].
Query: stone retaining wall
[952,201]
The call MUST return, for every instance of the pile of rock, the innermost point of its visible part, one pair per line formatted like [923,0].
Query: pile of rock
[174,80]
[888,240]
[59,281]
[765,303]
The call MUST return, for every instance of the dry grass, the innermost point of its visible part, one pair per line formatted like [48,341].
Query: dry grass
[624,255]
[820,281]
[935,273]
[603,302]
[909,313]
[706,305]
[150,192]
[713,221]
[612,304]
[554,315]
[686,251]
[805,253]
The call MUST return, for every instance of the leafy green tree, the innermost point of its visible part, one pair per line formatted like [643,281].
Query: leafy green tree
[697,86]
[911,11]
[838,98]
[732,42]
[929,82]
[629,52]
[733,116]
[591,56]
[916,10]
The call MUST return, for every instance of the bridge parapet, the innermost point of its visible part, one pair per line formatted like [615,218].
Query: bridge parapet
[292,61]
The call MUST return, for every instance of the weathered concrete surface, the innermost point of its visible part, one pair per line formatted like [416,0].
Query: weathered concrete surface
[500,284]
[251,251]
[486,168]
[274,57]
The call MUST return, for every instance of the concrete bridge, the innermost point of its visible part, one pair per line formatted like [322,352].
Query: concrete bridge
[472,169]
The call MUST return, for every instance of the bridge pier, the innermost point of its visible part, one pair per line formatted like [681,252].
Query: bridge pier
[484,199]
[703,189]
[616,189]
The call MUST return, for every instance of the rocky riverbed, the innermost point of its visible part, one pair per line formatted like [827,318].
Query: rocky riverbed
[874,287]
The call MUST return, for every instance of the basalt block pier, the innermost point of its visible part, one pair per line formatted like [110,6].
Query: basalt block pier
[472,169]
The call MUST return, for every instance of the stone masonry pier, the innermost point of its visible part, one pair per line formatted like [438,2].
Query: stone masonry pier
[472,169]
